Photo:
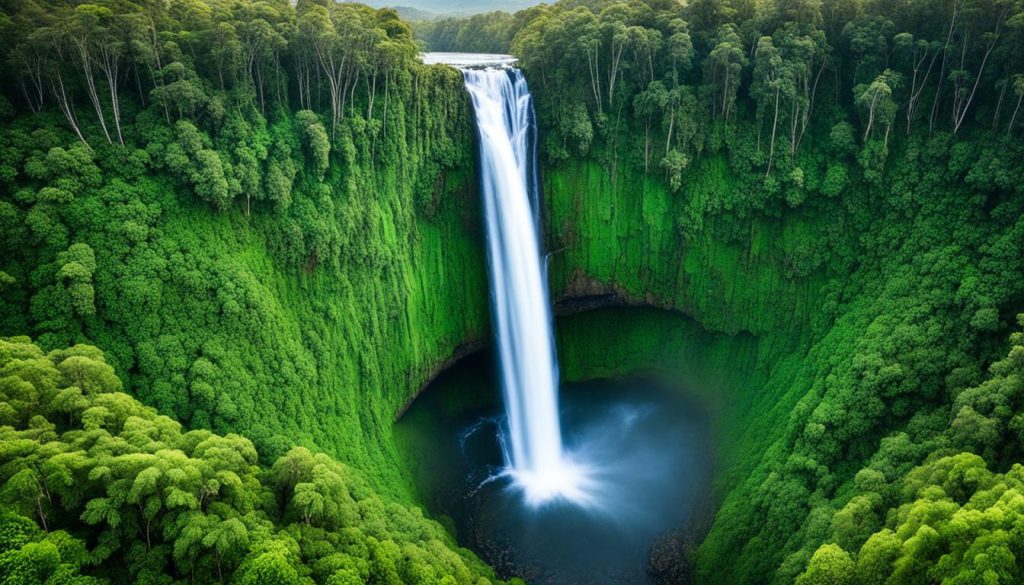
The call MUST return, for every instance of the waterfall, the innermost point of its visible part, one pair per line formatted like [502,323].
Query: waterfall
[535,457]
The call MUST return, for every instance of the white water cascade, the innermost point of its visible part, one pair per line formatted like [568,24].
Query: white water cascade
[535,458]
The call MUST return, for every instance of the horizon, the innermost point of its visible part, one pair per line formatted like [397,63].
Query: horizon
[452,8]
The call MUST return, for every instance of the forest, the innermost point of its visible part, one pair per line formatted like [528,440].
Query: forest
[239,235]
[886,136]
[95,479]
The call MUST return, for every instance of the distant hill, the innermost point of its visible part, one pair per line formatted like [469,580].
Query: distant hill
[424,9]
[411,14]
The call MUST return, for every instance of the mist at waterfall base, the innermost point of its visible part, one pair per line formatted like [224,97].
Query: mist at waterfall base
[648,448]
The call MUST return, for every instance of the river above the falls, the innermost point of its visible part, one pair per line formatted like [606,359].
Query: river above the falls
[467,60]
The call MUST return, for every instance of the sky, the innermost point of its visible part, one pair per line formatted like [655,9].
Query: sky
[448,7]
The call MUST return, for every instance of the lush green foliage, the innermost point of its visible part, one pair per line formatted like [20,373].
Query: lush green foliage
[124,494]
[260,213]
[255,257]
[697,78]
[951,520]
[867,346]
[490,32]
[241,243]
[842,180]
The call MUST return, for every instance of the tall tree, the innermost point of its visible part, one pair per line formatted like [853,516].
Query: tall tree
[722,71]
[767,88]
[876,100]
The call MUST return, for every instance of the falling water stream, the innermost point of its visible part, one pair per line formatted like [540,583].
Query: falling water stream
[536,459]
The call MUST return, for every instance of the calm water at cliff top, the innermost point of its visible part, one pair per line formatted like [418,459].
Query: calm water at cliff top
[468,59]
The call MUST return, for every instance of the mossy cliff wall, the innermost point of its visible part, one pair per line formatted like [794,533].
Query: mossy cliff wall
[344,348]
[311,320]
[622,237]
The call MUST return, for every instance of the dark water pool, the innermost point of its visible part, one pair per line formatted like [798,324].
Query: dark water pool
[648,449]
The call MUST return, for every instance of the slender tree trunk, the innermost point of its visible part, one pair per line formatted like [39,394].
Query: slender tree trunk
[28,98]
[67,108]
[111,69]
[298,82]
[278,81]
[138,85]
[871,116]
[760,123]
[671,125]
[915,94]
[981,70]
[775,125]
[352,95]
[34,72]
[42,515]
[794,121]
[337,81]
[259,88]
[594,82]
[302,74]
[999,105]
[145,534]
[157,80]
[725,95]
[614,73]
[319,90]
[957,94]
[942,70]
[90,85]
[1013,118]
[808,112]
[371,90]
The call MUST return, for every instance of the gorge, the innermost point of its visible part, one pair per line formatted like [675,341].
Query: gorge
[626,441]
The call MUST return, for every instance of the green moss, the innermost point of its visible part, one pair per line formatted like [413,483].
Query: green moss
[625,238]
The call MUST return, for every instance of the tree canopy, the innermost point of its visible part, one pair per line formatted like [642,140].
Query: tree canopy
[97,488]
